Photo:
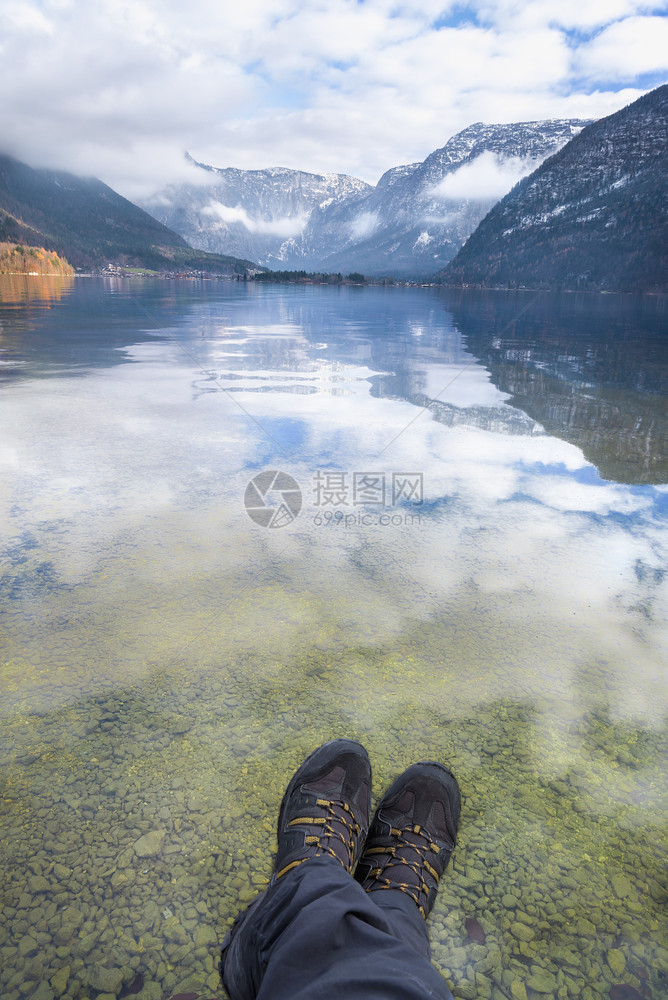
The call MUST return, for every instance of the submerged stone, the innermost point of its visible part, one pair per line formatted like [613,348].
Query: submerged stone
[43,992]
[151,991]
[59,980]
[465,990]
[542,981]
[522,932]
[475,930]
[27,945]
[150,844]
[105,980]
[622,885]
[616,961]
[623,991]
[205,936]
[37,883]
[518,990]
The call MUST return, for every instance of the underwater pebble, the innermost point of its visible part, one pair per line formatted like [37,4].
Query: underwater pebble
[475,930]
[518,989]
[150,844]
[43,992]
[59,980]
[27,945]
[616,961]
[37,883]
[105,980]
[542,981]
[466,991]
[151,991]
[205,936]
[622,991]
[622,886]
[522,932]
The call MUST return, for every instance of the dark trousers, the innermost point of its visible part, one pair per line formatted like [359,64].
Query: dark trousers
[317,935]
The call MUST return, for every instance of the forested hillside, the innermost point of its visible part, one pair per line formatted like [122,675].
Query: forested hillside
[90,224]
[594,215]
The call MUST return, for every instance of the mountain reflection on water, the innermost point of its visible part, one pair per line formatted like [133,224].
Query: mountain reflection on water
[592,369]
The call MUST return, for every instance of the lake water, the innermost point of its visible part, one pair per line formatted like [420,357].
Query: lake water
[464,559]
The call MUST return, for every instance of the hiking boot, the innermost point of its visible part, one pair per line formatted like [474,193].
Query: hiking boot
[413,834]
[326,807]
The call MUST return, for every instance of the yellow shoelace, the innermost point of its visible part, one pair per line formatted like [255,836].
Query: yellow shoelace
[418,866]
[348,836]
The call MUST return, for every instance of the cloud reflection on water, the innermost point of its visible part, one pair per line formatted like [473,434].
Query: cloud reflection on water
[509,530]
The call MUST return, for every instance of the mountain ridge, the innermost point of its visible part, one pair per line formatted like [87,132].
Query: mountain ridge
[398,227]
[593,215]
[90,224]
[247,212]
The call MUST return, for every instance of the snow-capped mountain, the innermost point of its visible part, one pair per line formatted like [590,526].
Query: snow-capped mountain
[595,215]
[257,210]
[418,216]
[411,223]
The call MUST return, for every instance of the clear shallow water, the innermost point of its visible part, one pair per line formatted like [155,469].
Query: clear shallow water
[167,662]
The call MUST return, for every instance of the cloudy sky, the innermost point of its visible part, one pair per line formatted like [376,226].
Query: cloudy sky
[120,88]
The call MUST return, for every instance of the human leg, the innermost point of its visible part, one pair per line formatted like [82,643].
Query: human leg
[324,815]
[318,933]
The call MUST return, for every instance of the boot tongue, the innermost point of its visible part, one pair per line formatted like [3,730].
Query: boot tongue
[439,821]
[328,783]
[404,808]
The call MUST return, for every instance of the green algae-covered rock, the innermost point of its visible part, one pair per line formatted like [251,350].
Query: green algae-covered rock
[465,990]
[622,885]
[105,980]
[205,936]
[616,961]
[522,932]
[37,883]
[150,991]
[27,945]
[542,981]
[59,980]
[43,992]
[483,985]
[518,990]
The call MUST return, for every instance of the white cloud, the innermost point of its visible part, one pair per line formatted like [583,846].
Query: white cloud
[364,225]
[287,226]
[580,14]
[567,494]
[627,48]
[121,89]
[25,17]
[487,178]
